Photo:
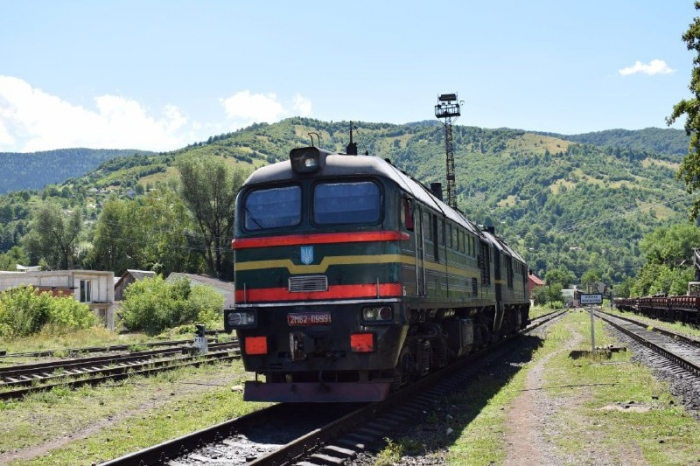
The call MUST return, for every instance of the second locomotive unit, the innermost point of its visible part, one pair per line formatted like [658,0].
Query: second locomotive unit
[353,279]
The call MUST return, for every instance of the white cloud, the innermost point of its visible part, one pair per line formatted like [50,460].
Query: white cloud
[245,108]
[302,105]
[32,120]
[654,67]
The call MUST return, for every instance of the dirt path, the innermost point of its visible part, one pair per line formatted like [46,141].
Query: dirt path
[530,413]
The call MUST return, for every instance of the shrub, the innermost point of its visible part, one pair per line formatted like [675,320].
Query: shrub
[153,305]
[24,312]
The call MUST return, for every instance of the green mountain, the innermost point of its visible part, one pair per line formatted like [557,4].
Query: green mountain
[664,141]
[36,170]
[558,201]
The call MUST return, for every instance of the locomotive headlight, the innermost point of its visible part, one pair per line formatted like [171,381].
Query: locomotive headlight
[240,319]
[370,313]
[305,160]
[377,314]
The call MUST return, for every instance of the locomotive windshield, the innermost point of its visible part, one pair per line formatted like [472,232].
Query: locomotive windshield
[344,203]
[273,208]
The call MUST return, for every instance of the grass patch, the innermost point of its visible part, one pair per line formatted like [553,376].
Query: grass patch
[627,417]
[538,311]
[482,441]
[48,340]
[121,417]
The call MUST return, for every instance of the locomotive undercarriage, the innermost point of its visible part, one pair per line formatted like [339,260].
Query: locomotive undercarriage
[437,338]
[430,339]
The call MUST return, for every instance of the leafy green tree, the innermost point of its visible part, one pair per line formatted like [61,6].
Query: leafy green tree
[554,293]
[671,246]
[153,305]
[590,278]
[539,295]
[689,170]
[119,237]
[172,245]
[11,258]
[208,189]
[561,276]
[54,236]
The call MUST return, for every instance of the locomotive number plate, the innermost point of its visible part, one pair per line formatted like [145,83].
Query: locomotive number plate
[309,318]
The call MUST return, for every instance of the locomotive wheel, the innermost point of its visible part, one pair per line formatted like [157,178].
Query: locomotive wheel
[405,370]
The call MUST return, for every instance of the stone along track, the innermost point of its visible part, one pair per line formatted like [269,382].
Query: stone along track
[17,381]
[315,433]
[680,350]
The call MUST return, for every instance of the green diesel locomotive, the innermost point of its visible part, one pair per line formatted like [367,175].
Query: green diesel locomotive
[353,279]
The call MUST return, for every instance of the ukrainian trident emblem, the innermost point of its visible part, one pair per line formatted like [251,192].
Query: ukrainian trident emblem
[307,255]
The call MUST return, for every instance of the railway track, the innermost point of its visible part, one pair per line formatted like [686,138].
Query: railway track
[682,351]
[255,439]
[678,336]
[73,352]
[17,381]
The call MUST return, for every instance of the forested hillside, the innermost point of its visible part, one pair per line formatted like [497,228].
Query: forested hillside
[564,205]
[37,169]
[666,141]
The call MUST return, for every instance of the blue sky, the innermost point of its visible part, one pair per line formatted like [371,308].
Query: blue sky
[159,75]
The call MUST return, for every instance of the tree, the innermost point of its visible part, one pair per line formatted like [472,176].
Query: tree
[154,305]
[54,236]
[119,238]
[561,276]
[11,258]
[208,189]
[671,246]
[689,170]
[590,278]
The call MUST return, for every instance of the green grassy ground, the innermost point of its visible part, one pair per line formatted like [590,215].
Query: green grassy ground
[96,424]
[607,408]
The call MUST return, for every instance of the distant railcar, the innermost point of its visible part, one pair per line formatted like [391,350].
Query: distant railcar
[671,308]
[353,279]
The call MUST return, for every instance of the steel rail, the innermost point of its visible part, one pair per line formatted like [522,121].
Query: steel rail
[122,373]
[678,336]
[97,349]
[671,356]
[23,375]
[307,444]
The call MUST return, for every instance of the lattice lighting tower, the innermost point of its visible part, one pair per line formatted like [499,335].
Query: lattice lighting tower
[448,110]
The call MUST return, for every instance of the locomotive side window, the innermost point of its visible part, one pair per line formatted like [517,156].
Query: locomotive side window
[428,231]
[407,214]
[354,202]
[273,208]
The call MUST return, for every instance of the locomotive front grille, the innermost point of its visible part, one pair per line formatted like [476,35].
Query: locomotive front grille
[308,283]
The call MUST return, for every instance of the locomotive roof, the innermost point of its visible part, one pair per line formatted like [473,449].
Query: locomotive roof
[503,246]
[354,165]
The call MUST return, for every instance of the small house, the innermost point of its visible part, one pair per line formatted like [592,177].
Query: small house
[129,277]
[92,287]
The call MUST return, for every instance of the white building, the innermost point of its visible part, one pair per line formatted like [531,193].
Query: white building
[92,287]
